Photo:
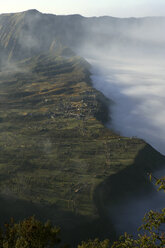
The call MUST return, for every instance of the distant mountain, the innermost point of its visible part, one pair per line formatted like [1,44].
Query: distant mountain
[56,156]
[31,32]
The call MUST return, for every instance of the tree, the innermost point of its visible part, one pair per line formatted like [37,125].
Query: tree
[151,233]
[29,233]
[95,244]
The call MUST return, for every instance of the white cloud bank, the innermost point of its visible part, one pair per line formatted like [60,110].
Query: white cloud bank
[137,86]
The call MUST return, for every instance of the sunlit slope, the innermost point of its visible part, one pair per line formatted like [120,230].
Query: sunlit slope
[54,149]
[28,33]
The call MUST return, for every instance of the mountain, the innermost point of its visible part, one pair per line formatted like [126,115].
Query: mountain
[57,158]
[31,32]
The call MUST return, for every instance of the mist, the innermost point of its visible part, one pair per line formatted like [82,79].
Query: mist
[129,70]
[137,88]
[127,213]
[128,60]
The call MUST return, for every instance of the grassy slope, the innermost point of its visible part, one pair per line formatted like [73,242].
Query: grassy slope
[57,159]
[53,149]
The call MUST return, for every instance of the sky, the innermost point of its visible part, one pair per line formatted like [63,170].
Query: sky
[117,8]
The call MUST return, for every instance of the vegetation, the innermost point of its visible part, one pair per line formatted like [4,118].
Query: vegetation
[56,155]
[152,233]
[54,149]
[30,233]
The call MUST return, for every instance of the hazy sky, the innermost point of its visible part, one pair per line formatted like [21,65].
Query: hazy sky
[119,8]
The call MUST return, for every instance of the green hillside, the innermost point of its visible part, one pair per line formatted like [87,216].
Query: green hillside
[54,148]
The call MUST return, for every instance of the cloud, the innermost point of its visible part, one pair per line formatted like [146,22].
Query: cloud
[128,67]
[138,93]
[128,214]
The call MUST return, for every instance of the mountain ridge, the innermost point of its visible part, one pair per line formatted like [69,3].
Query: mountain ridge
[55,151]
[34,11]
[30,32]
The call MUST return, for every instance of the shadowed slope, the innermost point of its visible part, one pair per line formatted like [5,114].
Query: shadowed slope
[54,148]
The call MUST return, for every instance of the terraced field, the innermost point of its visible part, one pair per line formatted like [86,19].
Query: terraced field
[57,158]
[54,149]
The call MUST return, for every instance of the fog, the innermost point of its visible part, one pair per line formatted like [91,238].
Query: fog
[137,88]
[128,60]
[127,214]
[130,72]
[128,67]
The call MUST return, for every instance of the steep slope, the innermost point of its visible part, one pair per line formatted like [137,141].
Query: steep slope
[28,33]
[54,149]
[31,32]
[55,152]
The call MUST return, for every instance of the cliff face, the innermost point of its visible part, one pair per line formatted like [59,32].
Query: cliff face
[54,149]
